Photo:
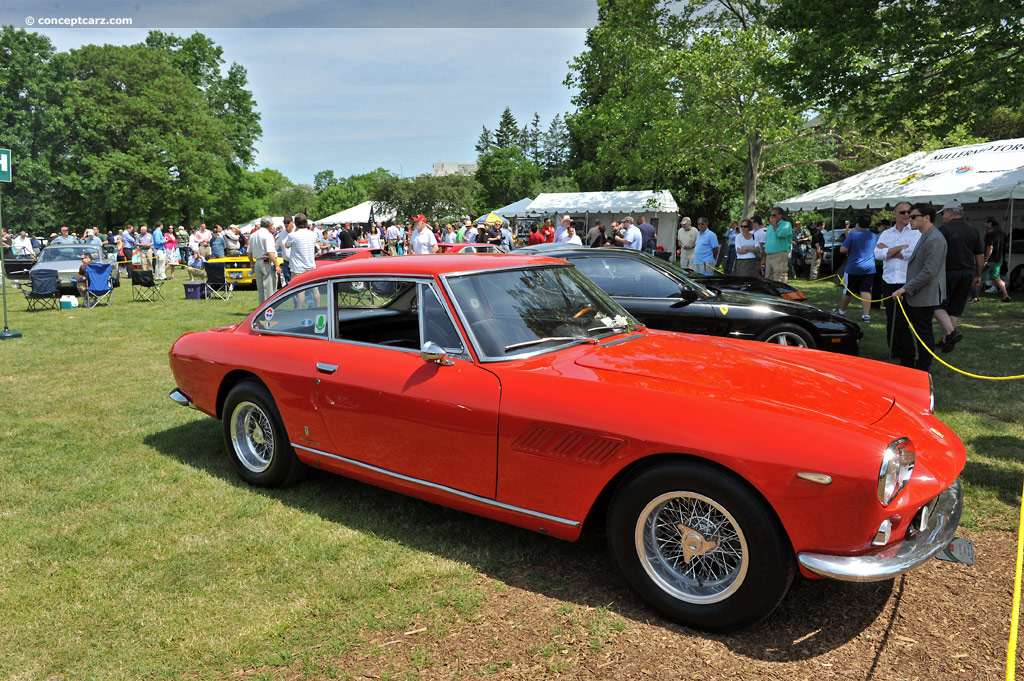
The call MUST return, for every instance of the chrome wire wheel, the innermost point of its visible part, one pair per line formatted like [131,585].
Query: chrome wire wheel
[252,436]
[691,547]
[786,337]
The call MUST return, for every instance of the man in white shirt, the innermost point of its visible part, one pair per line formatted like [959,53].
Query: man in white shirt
[263,258]
[634,238]
[894,248]
[423,240]
[282,248]
[574,238]
[22,245]
[760,233]
[686,239]
[562,231]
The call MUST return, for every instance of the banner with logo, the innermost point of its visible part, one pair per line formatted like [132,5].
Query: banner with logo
[991,171]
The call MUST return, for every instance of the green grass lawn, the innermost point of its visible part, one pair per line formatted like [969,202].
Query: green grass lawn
[130,549]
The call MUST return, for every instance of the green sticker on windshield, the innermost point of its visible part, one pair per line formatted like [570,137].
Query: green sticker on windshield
[321,323]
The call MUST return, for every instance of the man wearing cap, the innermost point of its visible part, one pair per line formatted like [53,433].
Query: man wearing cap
[64,239]
[965,258]
[687,239]
[633,237]
[232,241]
[562,231]
[345,238]
[422,241]
[263,258]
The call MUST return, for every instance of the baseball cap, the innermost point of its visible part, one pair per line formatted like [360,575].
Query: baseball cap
[953,205]
[420,218]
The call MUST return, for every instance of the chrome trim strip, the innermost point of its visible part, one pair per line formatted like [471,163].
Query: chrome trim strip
[897,558]
[819,478]
[442,488]
[181,398]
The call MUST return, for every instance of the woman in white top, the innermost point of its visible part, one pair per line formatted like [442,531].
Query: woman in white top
[748,252]
[373,237]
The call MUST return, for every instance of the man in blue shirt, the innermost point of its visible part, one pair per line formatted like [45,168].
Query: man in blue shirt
[705,250]
[159,254]
[860,266]
[64,239]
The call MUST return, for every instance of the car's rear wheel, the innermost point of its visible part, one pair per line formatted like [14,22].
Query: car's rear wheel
[788,334]
[700,546]
[255,437]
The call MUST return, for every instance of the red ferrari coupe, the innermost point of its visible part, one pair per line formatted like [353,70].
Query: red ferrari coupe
[485,383]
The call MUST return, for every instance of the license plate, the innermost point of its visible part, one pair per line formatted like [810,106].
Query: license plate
[960,550]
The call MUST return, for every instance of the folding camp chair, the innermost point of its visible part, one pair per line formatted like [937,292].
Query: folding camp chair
[100,284]
[144,287]
[41,291]
[216,283]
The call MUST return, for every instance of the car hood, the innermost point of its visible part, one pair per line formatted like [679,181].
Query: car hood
[726,370]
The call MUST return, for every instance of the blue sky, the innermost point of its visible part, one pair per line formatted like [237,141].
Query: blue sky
[336,95]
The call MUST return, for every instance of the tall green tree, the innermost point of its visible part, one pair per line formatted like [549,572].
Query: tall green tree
[508,132]
[444,198]
[951,60]
[36,125]
[128,157]
[506,175]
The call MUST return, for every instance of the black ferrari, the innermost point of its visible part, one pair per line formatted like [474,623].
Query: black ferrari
[662,296]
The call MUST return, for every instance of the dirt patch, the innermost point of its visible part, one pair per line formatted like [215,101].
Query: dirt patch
[942,621]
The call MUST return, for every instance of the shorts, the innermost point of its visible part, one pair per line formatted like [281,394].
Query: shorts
[958,290]
[992,271]
[860,283]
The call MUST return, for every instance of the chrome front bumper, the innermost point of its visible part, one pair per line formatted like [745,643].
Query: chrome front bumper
[897,558]
[181,398]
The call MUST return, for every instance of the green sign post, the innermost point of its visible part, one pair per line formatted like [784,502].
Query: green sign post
[5,176]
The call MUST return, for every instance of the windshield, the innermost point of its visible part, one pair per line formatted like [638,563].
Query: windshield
[52,253]
[519,312]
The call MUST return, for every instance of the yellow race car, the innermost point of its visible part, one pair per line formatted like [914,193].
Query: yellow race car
[237,269]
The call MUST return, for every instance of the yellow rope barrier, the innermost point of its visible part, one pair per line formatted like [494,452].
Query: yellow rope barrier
[1011,649]
[899,301]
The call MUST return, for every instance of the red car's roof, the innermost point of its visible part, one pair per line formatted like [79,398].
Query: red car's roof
[425,265]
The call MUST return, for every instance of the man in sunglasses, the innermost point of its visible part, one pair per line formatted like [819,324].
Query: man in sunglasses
[926,280]
[894,248]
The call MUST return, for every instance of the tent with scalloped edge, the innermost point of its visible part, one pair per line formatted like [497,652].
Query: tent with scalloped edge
[357,214]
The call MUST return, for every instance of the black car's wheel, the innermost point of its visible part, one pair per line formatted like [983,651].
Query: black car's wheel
[788,334]
[255,437]
[700,546]
[1016,279]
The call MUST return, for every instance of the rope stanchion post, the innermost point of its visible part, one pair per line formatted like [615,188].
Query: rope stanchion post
[1011,648]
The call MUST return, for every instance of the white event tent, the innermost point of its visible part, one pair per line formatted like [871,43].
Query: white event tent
[514,210]
[975,173]
[247,227]
[356,214]
[658,207]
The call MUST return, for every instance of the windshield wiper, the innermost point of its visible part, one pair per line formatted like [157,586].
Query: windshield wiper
[548,339]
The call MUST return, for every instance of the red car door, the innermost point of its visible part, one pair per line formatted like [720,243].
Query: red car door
[383,405]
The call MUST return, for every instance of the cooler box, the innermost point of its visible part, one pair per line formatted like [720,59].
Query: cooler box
[68,302]
[196,290]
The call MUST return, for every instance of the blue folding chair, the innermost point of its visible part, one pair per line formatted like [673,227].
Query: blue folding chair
[42,293]
[100,284]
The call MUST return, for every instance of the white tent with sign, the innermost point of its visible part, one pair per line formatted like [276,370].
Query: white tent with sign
[975,173]
[357,214]
[658,207]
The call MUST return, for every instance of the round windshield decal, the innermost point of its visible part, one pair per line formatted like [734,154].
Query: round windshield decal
[963,170]
[269,313]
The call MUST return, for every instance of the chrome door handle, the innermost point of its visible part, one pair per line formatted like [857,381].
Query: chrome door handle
[325,368]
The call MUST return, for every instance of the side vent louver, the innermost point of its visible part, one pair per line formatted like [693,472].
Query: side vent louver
[584,448]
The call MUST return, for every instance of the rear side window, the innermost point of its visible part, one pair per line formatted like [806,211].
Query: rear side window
[303,313]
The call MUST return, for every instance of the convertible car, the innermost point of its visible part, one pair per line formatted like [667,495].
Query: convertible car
[514,388]
[664,297]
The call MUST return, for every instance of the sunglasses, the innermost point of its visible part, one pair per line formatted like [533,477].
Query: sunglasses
[902,212]
[917,215]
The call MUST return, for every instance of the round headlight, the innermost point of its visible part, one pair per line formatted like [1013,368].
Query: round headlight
[897,467]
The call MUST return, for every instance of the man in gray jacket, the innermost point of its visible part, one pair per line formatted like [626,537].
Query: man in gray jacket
[926,280]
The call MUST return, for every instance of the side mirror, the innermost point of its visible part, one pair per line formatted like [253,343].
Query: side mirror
[687,295]
[432,352]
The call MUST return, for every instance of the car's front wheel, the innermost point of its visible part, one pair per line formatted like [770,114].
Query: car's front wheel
[255,437]
[788,334]
[699,545]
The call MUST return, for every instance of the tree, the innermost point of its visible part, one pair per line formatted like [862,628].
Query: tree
[444,198]
[128,157]
[348,192]
[907,58]
[35,124]
[533,139]
[323,179]
[554,148]
[506,175]
[486,141]
[508,132]
[299,198]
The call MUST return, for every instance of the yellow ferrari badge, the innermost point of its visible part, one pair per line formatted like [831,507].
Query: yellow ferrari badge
[724,309]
